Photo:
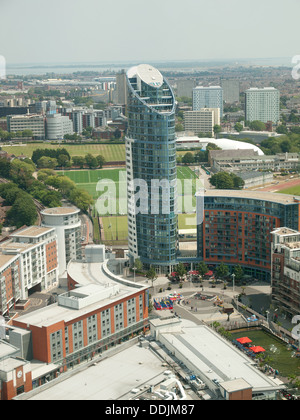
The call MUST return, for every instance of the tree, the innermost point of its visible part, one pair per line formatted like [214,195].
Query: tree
[27,133]
[257,125]
[23,212]
[63,160]
[47,162]
[181,271]
[179,127]
[151,274]
[188,158]
[238,127]
[138,264]
[239,272]
[282,129]
[80,198]
[91,161]
[222,180]
[202,268]
[222,271]
[101,160]
[217,128]
[78,161]
[226,181]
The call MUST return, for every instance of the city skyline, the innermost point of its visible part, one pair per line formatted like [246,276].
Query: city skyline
[84,26]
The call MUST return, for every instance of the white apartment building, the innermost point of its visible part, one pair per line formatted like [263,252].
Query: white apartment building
[35,249]
[202,121]
[262,104]
[208,97]
[57,126]
[33,122]
[67,225]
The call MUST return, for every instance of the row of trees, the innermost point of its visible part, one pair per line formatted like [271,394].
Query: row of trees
[227,181]
[222,271]
[7,136]
[23,210]
[53,158]
[49,188]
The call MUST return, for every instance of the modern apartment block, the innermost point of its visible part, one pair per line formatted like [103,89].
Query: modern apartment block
[28,263]
[202,121]
[236,227]
[231,90]
[67,225]
[262,104]
[151,159]
[10,282]
[208,97]
[57,126]
[285,277]
[33,122]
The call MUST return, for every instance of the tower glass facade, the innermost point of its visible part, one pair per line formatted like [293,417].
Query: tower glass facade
[151,160]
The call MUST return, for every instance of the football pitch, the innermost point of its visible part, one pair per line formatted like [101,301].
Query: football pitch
[96,181]
[105,184]
[110,152]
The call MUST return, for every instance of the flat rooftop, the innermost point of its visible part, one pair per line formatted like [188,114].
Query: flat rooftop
[285,231]
[109,379]
[100,288]
[32,232]
[255,195]
[59,211]
[5,259]
[216,358]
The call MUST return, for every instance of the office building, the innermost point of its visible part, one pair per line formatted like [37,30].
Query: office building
[262,104]
[208,97]
[67,225]
[236,227]
[285,278]
[231,91]
[151,159]
[57,126]
[202,121]
[32,122]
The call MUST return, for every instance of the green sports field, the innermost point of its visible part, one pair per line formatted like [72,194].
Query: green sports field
[293,190]
[114,227]
[111,152]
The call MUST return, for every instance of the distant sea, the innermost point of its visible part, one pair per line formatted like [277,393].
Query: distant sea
[68,68]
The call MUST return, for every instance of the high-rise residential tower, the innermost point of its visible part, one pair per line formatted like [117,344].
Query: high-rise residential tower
[151,164]
[208,97]
[263,104]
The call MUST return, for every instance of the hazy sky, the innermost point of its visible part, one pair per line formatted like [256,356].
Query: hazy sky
[62,31]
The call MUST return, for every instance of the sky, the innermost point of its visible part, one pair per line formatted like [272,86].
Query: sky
[66,31]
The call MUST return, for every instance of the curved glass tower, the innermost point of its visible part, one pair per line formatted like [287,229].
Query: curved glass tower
[151,169]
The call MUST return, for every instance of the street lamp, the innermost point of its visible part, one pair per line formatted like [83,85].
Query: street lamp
[233,277]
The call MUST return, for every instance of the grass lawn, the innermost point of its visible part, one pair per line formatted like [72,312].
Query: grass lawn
[88,179]
[281,359]
[111,152]
[293,190]
[115,228]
